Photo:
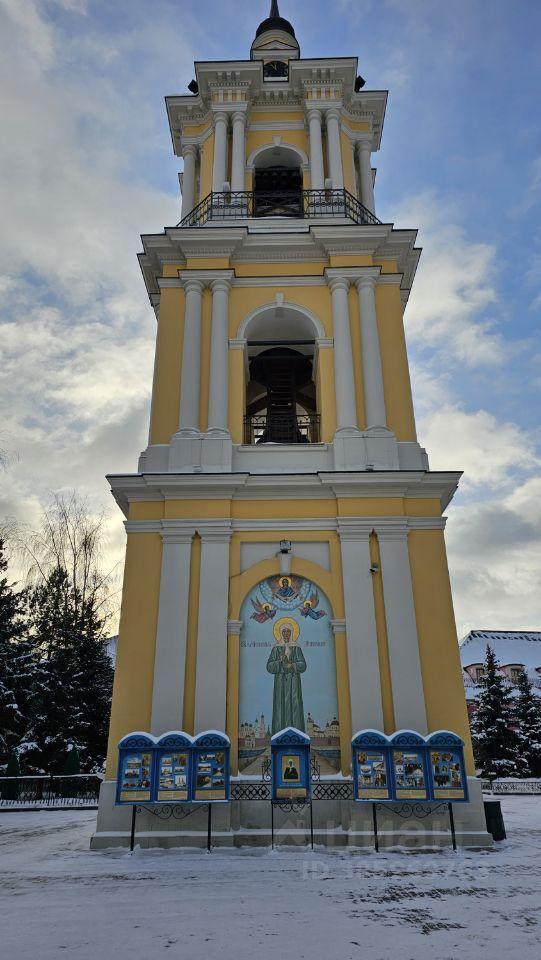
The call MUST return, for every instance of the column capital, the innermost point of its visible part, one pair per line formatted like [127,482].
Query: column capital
[337,283]
[391,528]
[192,284]
[179,537]
[234,627]
[333,113]
[338,626]
[215,531]
[364,144]
[221,283]
[354,528]
[190,149]
[239,116]
[366,280]
[313,113]
[206,278]
[219,116]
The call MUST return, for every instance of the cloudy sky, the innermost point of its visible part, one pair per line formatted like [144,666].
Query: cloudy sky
[86,166]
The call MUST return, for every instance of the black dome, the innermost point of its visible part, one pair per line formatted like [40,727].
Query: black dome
[275,22]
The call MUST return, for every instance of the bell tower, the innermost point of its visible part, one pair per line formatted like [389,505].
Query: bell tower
[283,499]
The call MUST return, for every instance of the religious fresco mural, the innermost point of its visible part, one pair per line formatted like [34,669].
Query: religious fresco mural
[287,671]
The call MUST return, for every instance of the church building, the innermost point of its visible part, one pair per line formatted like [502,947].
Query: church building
[285,558]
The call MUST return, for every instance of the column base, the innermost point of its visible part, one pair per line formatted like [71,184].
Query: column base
[375,448]
[192,451]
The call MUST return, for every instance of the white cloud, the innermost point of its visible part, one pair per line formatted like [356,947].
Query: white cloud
[76,329]
[494,551]
[492,453]
[454,286]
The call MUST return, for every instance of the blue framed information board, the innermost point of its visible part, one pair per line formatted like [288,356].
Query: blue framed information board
[290,765]
[408,766]
[135,768]
[173,757]
[210,767]
[371,766]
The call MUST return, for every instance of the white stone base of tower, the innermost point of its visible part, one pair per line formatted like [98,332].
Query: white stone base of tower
[337,823]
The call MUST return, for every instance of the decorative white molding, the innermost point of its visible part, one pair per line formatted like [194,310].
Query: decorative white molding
[307,280]
[348,528]
[262,125]
[338,626]
[234,627]
[319,330]
[271,145]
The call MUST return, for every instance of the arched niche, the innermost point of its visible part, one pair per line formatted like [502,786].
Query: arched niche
[287,670]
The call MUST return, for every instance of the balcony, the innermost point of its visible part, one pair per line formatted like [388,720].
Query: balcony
[298,204]
[284,428]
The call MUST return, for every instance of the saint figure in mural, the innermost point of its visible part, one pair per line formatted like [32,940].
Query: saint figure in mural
[286,662]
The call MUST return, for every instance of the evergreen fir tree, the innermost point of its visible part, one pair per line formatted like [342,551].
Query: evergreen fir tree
[495,743]
[528,721]
[73,678]
[16,665]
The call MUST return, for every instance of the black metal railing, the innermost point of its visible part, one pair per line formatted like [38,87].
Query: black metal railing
[78,790]
[305,204]
[283,428]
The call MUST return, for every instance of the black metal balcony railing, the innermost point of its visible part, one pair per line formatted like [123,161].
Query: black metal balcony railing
[284,428]
[305,204]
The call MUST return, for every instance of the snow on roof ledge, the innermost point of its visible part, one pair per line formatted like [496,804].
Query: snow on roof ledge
[291,730]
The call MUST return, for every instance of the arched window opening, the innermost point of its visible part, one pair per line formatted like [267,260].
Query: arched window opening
[281,393]
[281,396]
[278,184]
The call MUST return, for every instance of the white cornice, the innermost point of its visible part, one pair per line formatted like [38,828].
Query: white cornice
[321,485]
[348,528]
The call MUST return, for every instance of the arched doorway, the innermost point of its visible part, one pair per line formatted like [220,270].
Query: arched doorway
[287,671]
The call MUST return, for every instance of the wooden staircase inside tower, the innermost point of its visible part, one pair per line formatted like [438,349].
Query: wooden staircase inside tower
[281,407]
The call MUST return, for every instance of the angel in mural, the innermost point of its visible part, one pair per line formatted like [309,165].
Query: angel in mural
[263,611]
[309,607]
[286,662]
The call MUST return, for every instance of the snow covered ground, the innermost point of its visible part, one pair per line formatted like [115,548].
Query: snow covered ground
[57,898]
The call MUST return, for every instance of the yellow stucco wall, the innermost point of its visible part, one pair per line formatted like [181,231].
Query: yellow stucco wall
[440,663]
[245,301]
[394,362]
[134,672]
[438,645]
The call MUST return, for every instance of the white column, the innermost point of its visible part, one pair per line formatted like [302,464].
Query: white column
[211,674]
[219,356]
[170,656]
[362,640]
[188,180]
[404,659]
[374,398]
[334,151]
[238,162]
[346,412]
[219,167]
[191,357]
[365,169]
[317,178]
